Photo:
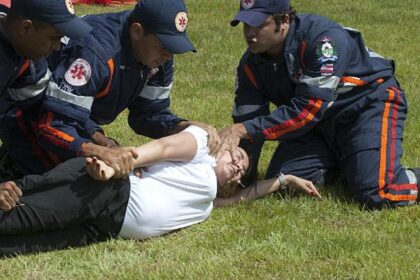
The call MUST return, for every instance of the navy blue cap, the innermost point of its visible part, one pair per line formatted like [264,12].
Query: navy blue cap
[167,20]
[59,13]
[255,12]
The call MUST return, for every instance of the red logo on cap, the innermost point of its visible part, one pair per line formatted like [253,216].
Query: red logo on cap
[247,4]
[181,21]
[69,5]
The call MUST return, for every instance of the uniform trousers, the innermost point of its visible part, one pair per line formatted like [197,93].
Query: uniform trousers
[360,136]
[65,207]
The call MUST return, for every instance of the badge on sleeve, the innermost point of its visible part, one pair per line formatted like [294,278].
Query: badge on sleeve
[326,51]
[79,73]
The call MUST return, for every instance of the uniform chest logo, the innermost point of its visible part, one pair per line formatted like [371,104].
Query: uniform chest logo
[181,21]
[247,4]
[79,73]
[69,5]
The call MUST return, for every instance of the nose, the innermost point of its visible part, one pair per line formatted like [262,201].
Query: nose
[249,31]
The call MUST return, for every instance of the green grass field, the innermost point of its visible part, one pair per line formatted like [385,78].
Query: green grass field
[290,237]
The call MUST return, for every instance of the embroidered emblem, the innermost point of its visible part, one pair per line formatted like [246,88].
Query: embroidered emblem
[326,51]
[247,4]
[79,73]
[327,69]
[181,21]
[69,5]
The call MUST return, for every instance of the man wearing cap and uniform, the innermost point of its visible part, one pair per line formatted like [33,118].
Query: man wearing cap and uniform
[32,30]
[125,62]
[29,31]
[339,105]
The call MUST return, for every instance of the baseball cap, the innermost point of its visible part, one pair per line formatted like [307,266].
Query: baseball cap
[59,13]
[255,12]
[167,20]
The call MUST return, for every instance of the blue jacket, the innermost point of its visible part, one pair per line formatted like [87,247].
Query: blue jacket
[94,79]
[321,61]
[12,65]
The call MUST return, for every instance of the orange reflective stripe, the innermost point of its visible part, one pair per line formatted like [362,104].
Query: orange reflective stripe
[111,66]
[411,187]
[384,140]
[54,131]
[250,75]
[24,67]
[400,197]
[353,80]
[59,134]
[297,122]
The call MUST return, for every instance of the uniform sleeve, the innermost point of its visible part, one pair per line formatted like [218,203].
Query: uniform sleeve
[325,61]
[149,113]
[30,84]
[78,75]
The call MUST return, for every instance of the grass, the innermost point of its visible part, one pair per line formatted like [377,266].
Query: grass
[277,237]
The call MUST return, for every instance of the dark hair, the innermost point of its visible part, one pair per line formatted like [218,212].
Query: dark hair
[279,17]
[132,19]
[13,16]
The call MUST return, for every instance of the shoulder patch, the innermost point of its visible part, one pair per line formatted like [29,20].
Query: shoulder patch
[79,73]
[326,51]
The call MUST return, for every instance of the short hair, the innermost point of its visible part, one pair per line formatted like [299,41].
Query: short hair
[132,19]
[13,16]
[279,17]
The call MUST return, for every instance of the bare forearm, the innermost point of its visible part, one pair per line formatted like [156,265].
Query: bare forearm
[256,190]
[178,147]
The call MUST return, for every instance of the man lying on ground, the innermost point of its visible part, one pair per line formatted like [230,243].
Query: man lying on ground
[67,207]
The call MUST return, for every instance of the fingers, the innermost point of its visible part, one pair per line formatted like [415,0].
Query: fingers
[213,141]
[9,195]
[314,191]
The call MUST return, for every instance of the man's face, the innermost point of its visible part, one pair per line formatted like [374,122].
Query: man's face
[230,171]
[39,42]
[265,38]
[148,50]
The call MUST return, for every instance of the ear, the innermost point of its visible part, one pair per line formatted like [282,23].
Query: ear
[286,19]
[136,31]
[25,26]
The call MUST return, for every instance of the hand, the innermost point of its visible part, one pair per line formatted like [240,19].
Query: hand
[302,185]
[9,195]
[120,159]
[102,140]
[213,137]
[230,138]
[98,169]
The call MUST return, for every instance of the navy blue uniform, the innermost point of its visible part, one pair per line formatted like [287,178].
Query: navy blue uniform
[92,80]
[338,106]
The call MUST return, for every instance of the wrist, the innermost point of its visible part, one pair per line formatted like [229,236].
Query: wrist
[282,181]
[239,130]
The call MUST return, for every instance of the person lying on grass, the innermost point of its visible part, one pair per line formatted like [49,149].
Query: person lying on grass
[78,202]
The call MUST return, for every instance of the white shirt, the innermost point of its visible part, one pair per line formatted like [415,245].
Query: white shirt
[171,195]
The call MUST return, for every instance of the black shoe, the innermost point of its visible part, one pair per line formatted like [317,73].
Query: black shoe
[417,173]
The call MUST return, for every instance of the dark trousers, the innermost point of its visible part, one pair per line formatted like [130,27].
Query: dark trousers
[361,136]
[65,207]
